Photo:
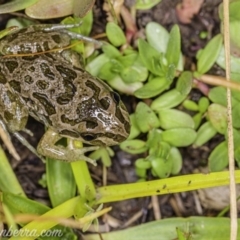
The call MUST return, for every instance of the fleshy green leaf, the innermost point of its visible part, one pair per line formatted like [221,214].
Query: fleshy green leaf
[209,54]
[190,105]
[146,119]
[204,134]
[172,118]
[162,167]
[130,75]
[184,83]
[146,4]
[218,158]
[236,115]
[234,62]
[154,138]
[203,104]
[60,180]
[176,158]
[218,117]
[143,163]
[115,34]
[96,64]
[152,88]
[134,146]
[152,59]
[233,10]
[118,84]
[157,36]
[174,46]
[197,118]
[169,99]
[134,127]
[179,137]
[16,5]
[110,51]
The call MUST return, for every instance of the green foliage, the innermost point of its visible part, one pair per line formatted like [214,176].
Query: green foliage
[146,4]
[115,34]
[208,56]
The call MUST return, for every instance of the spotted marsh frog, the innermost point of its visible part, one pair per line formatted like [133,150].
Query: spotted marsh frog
[54,88]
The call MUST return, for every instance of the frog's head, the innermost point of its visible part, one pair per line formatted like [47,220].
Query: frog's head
[104,118]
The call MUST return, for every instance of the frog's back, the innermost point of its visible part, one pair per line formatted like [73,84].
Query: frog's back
[66,98]
[28,40]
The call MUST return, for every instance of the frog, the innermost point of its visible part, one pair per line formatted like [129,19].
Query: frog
[41,79]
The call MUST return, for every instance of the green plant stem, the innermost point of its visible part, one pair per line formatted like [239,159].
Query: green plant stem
[83,178]
[163,186]
[8,180]
[65,210]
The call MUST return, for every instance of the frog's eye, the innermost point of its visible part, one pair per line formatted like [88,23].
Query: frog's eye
[116,97]
[88,137]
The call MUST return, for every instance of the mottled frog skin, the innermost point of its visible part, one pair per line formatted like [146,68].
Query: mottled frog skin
[55,89]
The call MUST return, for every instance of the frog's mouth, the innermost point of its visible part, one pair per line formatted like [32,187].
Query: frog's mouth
[103,139]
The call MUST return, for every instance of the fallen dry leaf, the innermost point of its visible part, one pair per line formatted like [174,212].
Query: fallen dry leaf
[187,9]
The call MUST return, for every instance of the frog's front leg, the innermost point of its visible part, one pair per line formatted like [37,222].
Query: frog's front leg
[13,116]
[47,147]
[64,28]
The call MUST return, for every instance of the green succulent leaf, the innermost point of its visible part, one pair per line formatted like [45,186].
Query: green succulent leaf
[204,134]
[130,75]
[152,59]
[134,132]
[110,51]
[234,62]
[219,95]
[172,118]
[217,115]
[236,115]
[233,10]
[218,158]
[115,34]
[104,154]
[60,180]
[162,167]
[134,146]
[174,46]
[157,36]
[141,172]
[160,151]
[190,105]
[197,118]
[129,59]
[143,163]
[179,137]
[106,72]
[96,64]
[16,5]
[203,104]
[152,88]
[169,99]
[146,4]
[184,83]
[154,138]
[146,119]
[209,54]
[128,88]
[236,137]
[176,158]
